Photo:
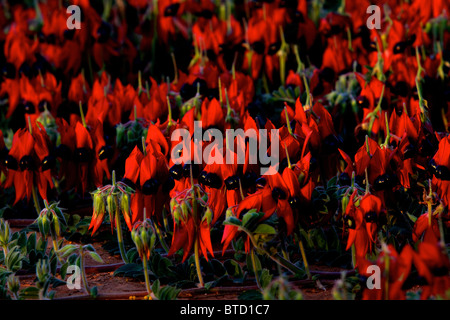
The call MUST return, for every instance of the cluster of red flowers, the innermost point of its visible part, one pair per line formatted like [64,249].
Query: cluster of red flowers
[372,108]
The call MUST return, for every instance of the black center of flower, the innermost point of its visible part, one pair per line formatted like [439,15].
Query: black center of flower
[400,47]
[82,155]
[168,185]
[278,193]
[362,101]
[213,181]
[187,170]
[249,179]
[350,222]
[273,48]
[26,163]
[69,33]
[258,47]
[202,177]
[49,162]
[176,171]
[106,152]
[371,216]
[150,186]
[9,71]
[383,182]
[294,202]
[232,182]
[260,183]
[409,152]
[10,162]
[440,172]
[171,10]
[28,108]
[63,151]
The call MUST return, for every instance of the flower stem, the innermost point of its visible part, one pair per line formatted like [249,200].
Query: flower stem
[83,272]
[123,253]
[161,238]
[35,200]
[252,252]
[147,280]
[353,256]
[305,261]
[83,120]
[197,263]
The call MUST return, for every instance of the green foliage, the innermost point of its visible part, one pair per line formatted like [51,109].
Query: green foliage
[165,293]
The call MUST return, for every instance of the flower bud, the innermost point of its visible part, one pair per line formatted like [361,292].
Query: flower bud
[344,202]
[173,204]
[5,233]
[42,270]
[229,213]
[177,215]
[13,283]
[99,204]
[184,211]
[125,206]
[208,215]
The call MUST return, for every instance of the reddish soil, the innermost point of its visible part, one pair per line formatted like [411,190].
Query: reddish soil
[119,288]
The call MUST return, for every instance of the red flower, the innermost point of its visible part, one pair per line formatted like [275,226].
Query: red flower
[394,271]
[29,163]
[361,216]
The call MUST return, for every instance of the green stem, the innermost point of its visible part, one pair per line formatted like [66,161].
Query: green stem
[353,256]
[147,280]
[55,248]
[386,280]
[279,260]
[83,272]
[35,200]
[305,261]
[161,238]
[197,263]
[123,253]
[5,250]
[252,252]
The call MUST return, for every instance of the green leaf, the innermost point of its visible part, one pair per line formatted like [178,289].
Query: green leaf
[94,292]
[4,272]
[250,263]
[155,287]
[251,218]
[233,221]
[31,243]
[265,229]
[63,270]
[29,293]
[233,268]
[67,250]
[129,270]
[168,293]
[95,256]
[250,295]
[89,248]
[265,278]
